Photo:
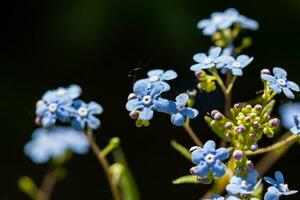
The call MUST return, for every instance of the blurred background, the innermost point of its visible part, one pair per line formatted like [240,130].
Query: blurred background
[97,44]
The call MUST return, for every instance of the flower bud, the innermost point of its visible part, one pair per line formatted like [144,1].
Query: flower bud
[238,155]
[248,119]
[218,116]
[237,105]
[205,180]
[38,121]
[134,114]
[265,71]
[131,96]
[274,122]
[258,107]
[249,166]
[228,125]
[256,124]
[249,108]
[240,129]
[254,147]
[212,114]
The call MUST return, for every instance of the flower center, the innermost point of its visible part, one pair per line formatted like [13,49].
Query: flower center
[52,107]
[236,64]
[208,61]
[209,158]
[82,111]
[281,82]
[147,100]
[61,92]
[154,78]
[284,187]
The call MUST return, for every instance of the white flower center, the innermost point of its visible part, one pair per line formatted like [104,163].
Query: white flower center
[52,107]
[154,78]
[208,61]
[236,64]
[281,82]
[147,100]
[217,19]
[284,187]
[209,158]
[61,92]
[244,184]
[82,111]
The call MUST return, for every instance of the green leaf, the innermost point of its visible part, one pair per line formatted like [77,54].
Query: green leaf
[181,149]
[28,186]
[189,179]
[268,108]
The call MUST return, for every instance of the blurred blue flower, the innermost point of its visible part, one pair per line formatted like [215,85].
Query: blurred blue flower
[53,143]
[208,160]
[147,99]
[83,114]
[62,94]
[290,117]
[235,66]
[159,75]
[223,20]
[206,61]
[218,197]
[240,185]
[278,187]
[279,82]
[180,112]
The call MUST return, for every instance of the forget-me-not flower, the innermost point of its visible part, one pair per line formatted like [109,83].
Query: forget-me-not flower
[206,61]
[208,160]
[52,143]
[240,185]
[147,100]
[278,187]
[180,112]
[62,94]
[290,117]
[279,82]
[83,114]
[235,66]
[158,75]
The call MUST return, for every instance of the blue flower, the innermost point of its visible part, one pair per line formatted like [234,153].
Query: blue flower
[223,20]
[218,197]
[278,187]
[206,61]
[290,114]
[235,66]
[279,82]
[240,185]
[147,100]
[53,143]
[180,112]
[208,160]
[83,114]
[159,75]
[62,94]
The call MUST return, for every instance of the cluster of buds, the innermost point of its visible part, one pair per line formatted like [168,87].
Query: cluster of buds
[245,127]
[206,83]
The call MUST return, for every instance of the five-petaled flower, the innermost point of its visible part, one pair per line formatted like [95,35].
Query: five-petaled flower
[235,66]
[180,112]
[147,99]
[278,187]
[279,82]
[158,75]
[52,143]
[83,114]
[222,20]
[206,61]
[208,160]
[62,94]
[243,186]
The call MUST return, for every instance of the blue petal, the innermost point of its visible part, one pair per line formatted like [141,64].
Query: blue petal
[182,99]
[279,72]
[268,78]
[41,109]
[270,180]
[236,180]
[190,113]
[169,75]
[237,71]
[219,169]
[166,86]
[233,189]
[95,108]
[199,57]
[275,87]
[222,154]
[279,177]
[62,114]
[295,130]
[209,147]
[79,103]
[156,89]
[177,119]
[287,113]
[155,72]
[197,156]
[214,52]
[288,93]
[201,169]
[74,91]
[146,114]
[252,176]
[48,121]
[203,23]
[140,88]
[162,105]
[93,122]
[290,192]
[78,123]
[232,198]
[271,196]
[134,104]
[210,29]
[293,86]
[200,66]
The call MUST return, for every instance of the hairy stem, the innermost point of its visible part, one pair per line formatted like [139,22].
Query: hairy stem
[191,133]
[47,186]
[105,165]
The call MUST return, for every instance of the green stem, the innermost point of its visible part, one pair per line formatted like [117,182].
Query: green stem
[191,133]
[291,139]
[105,165]
[230,86]
[215,73]
[47,187]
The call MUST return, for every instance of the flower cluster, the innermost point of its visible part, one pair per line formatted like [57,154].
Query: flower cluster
[55,142]
[62,105]
[146,98]
[223,20]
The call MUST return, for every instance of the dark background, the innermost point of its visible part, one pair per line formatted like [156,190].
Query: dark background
[96,44]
